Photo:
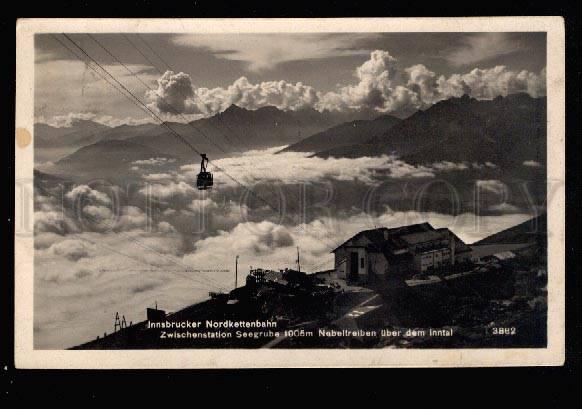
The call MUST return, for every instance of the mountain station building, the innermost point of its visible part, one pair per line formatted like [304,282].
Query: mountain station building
[401,251]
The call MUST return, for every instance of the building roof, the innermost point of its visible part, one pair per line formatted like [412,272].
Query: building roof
[422,237]
[391,241]
[378,235]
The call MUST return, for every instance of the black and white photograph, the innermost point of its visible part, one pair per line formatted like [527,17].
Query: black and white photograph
[291,189]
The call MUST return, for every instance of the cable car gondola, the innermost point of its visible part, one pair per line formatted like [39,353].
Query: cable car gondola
[204,180]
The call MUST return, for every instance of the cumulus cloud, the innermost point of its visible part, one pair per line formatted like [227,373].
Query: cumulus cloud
[158,177]
[68,120]
[223,216]
[85,192]
[378,86]
[94,214]
[493,186]
[281,94]
[41,202]
[266,237]
[174,95]
[49,217]
[454,86]
[423,82]
[449,166]
[255,240]
[504,208]
[446,166]
[258,166]
[492,82]
[477,165]
[203,216]
[44,240]
[101,218]
[169,212]
[532,164]
[200,204]
[71,249]
[165,227]
[97,218]
[53,222]
[478,83]
[375,88]
[113,122]
[132,217]
[269,245]
[86,292]
[153,161]
[97,212]
[169,190]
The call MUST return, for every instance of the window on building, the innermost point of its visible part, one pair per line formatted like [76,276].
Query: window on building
[362,262]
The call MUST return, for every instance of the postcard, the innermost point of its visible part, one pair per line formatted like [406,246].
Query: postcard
[257,193]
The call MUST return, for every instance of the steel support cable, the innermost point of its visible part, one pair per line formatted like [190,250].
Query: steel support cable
[196,97]
[182,139]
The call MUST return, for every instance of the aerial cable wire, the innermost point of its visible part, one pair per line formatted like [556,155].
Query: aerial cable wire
[146,109]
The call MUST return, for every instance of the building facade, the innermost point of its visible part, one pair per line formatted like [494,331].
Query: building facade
[400,251]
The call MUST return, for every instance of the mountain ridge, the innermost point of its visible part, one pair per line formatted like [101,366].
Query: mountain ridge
[502,130]
[345,134]
[531,231]
[235,129]
[118,154]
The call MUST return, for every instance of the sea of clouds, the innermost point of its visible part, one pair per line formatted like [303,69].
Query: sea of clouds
[97,254]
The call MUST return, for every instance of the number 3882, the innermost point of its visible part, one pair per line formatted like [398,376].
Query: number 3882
[503,330]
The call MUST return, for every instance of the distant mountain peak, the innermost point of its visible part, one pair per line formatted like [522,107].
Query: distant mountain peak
[463,99]
[114,142]
[75,124]
[269,108]
[520,96]
[345,134]
[90,122]
[234,108]
[383,117]
[310,110]
[506,131]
